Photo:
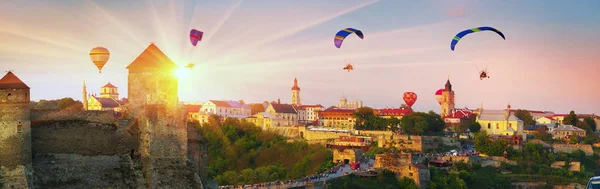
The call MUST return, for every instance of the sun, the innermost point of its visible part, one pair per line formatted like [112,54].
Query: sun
[182,73]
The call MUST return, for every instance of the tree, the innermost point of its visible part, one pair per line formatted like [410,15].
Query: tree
[542,133]
[573,139]
[570,119]
[525,116]
[362,115]
[590,122]
[406,107]
[46,104]
[474,127]
[407,183]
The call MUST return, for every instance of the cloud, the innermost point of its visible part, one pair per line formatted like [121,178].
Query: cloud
[456,12]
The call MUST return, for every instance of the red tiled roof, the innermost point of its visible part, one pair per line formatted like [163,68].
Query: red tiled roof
[338,110]
[220,103]
[192,108]
[108,85]
[107,102]
[152,57]
[308,106]
[11,81]
[284,108]
[558,115]
[393,112]
[460,113]
[550,117]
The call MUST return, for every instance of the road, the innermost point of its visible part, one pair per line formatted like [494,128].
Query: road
[302,182]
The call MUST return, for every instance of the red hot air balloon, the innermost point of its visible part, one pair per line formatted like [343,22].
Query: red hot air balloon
[438,96]
[410,98]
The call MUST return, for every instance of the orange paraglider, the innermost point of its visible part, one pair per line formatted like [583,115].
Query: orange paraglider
[349,67]
[99,56]
[410,98]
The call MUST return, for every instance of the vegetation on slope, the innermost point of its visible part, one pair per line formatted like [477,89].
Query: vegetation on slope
[241,153]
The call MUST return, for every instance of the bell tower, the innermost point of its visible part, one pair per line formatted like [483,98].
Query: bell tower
[447,100]
[296,93]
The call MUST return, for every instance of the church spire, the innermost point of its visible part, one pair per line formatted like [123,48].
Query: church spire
[84,93]
[295,87]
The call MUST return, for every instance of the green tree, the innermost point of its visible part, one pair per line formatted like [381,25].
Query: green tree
[474,127]
[542,134]
[65,102]
[47,104]
[362,115]
[525,116]
[570,119]
[590,121]
[573,139]
[407,183]
[406,107]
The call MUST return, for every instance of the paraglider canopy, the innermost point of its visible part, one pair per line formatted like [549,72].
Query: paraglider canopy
[195,36]
[473,30]
[190,66]
[99,55]
[342,34]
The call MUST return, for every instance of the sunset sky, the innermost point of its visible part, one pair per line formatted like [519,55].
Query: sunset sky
[253,49]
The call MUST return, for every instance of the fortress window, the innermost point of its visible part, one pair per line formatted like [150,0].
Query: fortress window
[19,128]
[8,95]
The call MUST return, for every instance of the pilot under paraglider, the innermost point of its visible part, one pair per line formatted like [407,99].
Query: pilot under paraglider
[483,74]
[348,67]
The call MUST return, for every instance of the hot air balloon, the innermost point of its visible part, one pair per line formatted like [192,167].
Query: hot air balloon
[410,98]
[342,34]
[473,30]
[195,36]
[438,96]
[99,56]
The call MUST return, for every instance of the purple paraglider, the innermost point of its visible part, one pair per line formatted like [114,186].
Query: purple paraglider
[195,36]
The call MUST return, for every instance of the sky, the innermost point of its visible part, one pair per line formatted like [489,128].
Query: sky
[253,49]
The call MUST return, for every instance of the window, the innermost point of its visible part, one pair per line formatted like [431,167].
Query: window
[497,126]
[489,126]
[19,128]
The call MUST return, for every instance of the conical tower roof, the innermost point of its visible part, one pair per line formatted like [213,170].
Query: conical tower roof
[11,81]
[152,57]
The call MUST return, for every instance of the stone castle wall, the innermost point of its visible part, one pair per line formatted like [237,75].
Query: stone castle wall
[81,137]
[106,117]
[286,131]
[152,87]
[569,148]
[15,138]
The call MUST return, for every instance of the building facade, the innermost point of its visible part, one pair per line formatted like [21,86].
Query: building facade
[15,133]
[309,114]
[337,118]
[565,131]
[108,99]
[266,121]
[500,122]
[285,111]
[447,100]
[345,104]
[226,109]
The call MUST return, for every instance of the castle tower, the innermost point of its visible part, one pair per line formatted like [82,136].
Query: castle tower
[15,132]
[447,100]
[84,93]
[153,103]
[296,93]
[109,91]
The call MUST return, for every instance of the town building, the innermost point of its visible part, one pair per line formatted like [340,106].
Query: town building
[285,111]
[337,118]
[447,100]
[192,112]
[108,99]
[224,109]
[266,121]
[345,104]
[403,166]
[560,118]
[457,116]
[309,114]
[500,122]
[565,131]
[397,113]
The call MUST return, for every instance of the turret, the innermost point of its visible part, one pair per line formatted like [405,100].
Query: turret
[85,95]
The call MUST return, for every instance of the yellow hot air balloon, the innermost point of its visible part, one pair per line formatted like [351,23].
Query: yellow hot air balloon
[99,56]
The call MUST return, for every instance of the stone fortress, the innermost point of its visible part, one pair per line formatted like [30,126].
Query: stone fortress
[151,147]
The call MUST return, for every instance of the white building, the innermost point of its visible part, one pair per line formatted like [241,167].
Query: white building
[345,104]
[308,114]
[225,109]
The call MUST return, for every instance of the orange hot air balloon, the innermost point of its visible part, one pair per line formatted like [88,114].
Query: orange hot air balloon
[438,95]
[99,56]
[410,98]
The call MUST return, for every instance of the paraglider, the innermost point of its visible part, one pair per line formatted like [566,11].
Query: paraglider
[99,56]
[473,30]
[348,67]
[438,96]
[190,66]
[410,98]
[195,36]
[342,34]
[483,73]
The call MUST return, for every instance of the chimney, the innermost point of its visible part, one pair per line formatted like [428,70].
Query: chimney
[278,101]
